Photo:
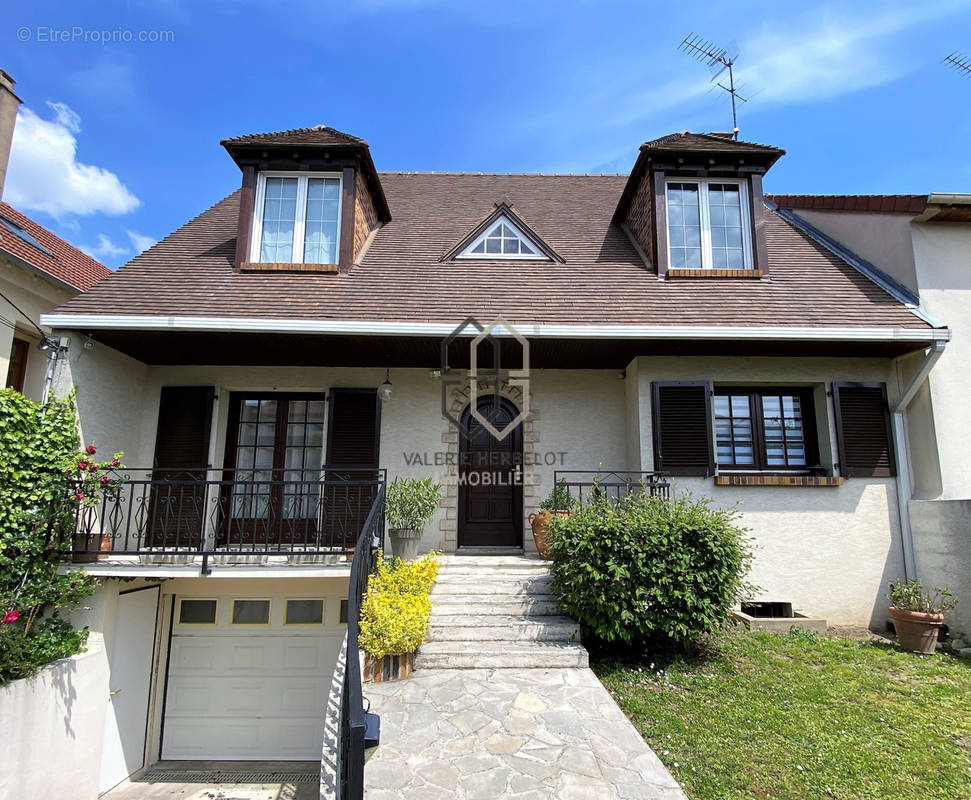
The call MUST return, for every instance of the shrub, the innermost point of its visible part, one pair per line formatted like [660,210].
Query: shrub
[396,608]
[411,503]
[645,567]
[559,498]
[910,596]
[44,478]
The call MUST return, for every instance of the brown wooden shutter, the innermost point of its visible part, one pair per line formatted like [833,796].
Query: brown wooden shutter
[353,440]
[863,430]
[682,428]
[178,504]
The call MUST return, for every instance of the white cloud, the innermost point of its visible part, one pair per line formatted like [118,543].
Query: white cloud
[140,242]
[45,175]
[105,248]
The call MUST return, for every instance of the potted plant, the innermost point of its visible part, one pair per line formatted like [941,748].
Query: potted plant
[559,503]
[410,505]
[918,615]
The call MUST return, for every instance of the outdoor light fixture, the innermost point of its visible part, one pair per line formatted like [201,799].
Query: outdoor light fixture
[384,390]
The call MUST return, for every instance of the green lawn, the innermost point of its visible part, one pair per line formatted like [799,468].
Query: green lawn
[764,716]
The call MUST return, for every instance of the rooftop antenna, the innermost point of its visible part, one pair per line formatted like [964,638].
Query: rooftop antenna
[718,59]
[959,62]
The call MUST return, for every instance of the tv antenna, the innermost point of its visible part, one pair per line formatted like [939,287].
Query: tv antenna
[718,59]
[959,62]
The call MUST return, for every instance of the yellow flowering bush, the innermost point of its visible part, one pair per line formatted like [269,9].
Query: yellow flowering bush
[396,608]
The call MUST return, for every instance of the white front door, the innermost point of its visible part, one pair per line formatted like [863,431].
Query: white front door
[130,666]
[248,676]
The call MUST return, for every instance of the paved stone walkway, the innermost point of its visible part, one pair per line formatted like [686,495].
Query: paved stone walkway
[521,734]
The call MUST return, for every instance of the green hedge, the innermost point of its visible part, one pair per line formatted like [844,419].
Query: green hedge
[647,568]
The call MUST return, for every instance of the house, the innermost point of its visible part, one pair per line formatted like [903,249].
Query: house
[923,245]
[270,363]
[38,272]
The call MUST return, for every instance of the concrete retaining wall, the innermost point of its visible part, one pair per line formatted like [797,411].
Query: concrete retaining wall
[942,542]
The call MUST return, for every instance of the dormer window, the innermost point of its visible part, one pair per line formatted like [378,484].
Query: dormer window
[708,224]
[297,218]
[503,239]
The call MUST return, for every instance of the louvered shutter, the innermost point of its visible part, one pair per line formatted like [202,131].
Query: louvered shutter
[178,502]
[353,435]
[863,430]
[682,428]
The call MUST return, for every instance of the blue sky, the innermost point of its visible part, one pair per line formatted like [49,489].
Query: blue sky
[118,142]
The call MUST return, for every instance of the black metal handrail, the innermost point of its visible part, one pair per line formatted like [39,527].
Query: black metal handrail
[350,762]
[585,486]
[211,511]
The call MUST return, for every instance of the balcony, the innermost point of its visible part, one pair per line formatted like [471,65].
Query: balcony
[205,516]
[587,486]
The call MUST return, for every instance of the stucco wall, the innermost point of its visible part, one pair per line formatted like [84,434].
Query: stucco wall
[830,551]
[34,296]
[52,728]
[943,255]
[942,541]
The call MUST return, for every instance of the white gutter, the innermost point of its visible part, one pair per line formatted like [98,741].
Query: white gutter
[383,328]
[901,453]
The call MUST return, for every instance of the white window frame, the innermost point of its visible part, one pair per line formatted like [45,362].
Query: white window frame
[503,219]
[707,257]
[299,225]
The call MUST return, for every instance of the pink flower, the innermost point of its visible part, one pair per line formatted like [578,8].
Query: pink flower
[11,617]
[90,450]
[105,479]
[82,465]
[93,468]
[115,462]
[79,496]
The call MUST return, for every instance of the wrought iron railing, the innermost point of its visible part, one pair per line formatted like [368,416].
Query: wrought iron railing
[206,512]
[585,486]
[350,762]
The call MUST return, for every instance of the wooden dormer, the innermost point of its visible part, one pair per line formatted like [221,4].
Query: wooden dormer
[710,175]
[316,175]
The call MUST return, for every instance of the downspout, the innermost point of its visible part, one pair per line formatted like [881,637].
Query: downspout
[901,455]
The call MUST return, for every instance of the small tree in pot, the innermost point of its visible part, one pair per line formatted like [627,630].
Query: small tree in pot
[918,615]
[410,505]
[559,503]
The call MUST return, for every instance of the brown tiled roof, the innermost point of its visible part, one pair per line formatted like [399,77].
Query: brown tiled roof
[709,142]
[909,203]
[65,262]
[603,280]
[319,134]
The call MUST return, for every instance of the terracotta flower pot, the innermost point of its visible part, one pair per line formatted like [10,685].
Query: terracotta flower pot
[539,521]
[916,630]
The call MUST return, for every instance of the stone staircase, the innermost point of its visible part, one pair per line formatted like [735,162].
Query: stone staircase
[493,612]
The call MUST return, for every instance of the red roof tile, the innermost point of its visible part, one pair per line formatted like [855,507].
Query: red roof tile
[603,280]
[65,262]
[709,142]
[318,135]
[906,203]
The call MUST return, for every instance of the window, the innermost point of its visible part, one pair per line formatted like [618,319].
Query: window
[17,366]
[708,225]
[502,240]
[197,612]
[769,429]
[304,612]
[251,612]
[297,218]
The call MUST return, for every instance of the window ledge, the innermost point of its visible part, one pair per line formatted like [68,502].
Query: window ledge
[260,266]
[714,273]
[777,480]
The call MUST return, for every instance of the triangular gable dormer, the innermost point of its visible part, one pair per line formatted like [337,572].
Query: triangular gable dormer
[503,235]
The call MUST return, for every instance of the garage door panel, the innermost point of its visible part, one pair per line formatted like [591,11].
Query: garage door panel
[249,692]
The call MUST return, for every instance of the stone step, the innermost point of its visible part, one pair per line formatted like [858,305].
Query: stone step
[505,655]
[496,562]
[491,585]
[483,574]
[500,628]
[475,605]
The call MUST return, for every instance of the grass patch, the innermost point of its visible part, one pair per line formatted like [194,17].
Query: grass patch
[755,715]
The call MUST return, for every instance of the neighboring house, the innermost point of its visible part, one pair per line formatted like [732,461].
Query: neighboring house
[676,324]
[923,245]
[38,272]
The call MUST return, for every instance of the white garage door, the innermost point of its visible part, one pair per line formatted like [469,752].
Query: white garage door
[248,676]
